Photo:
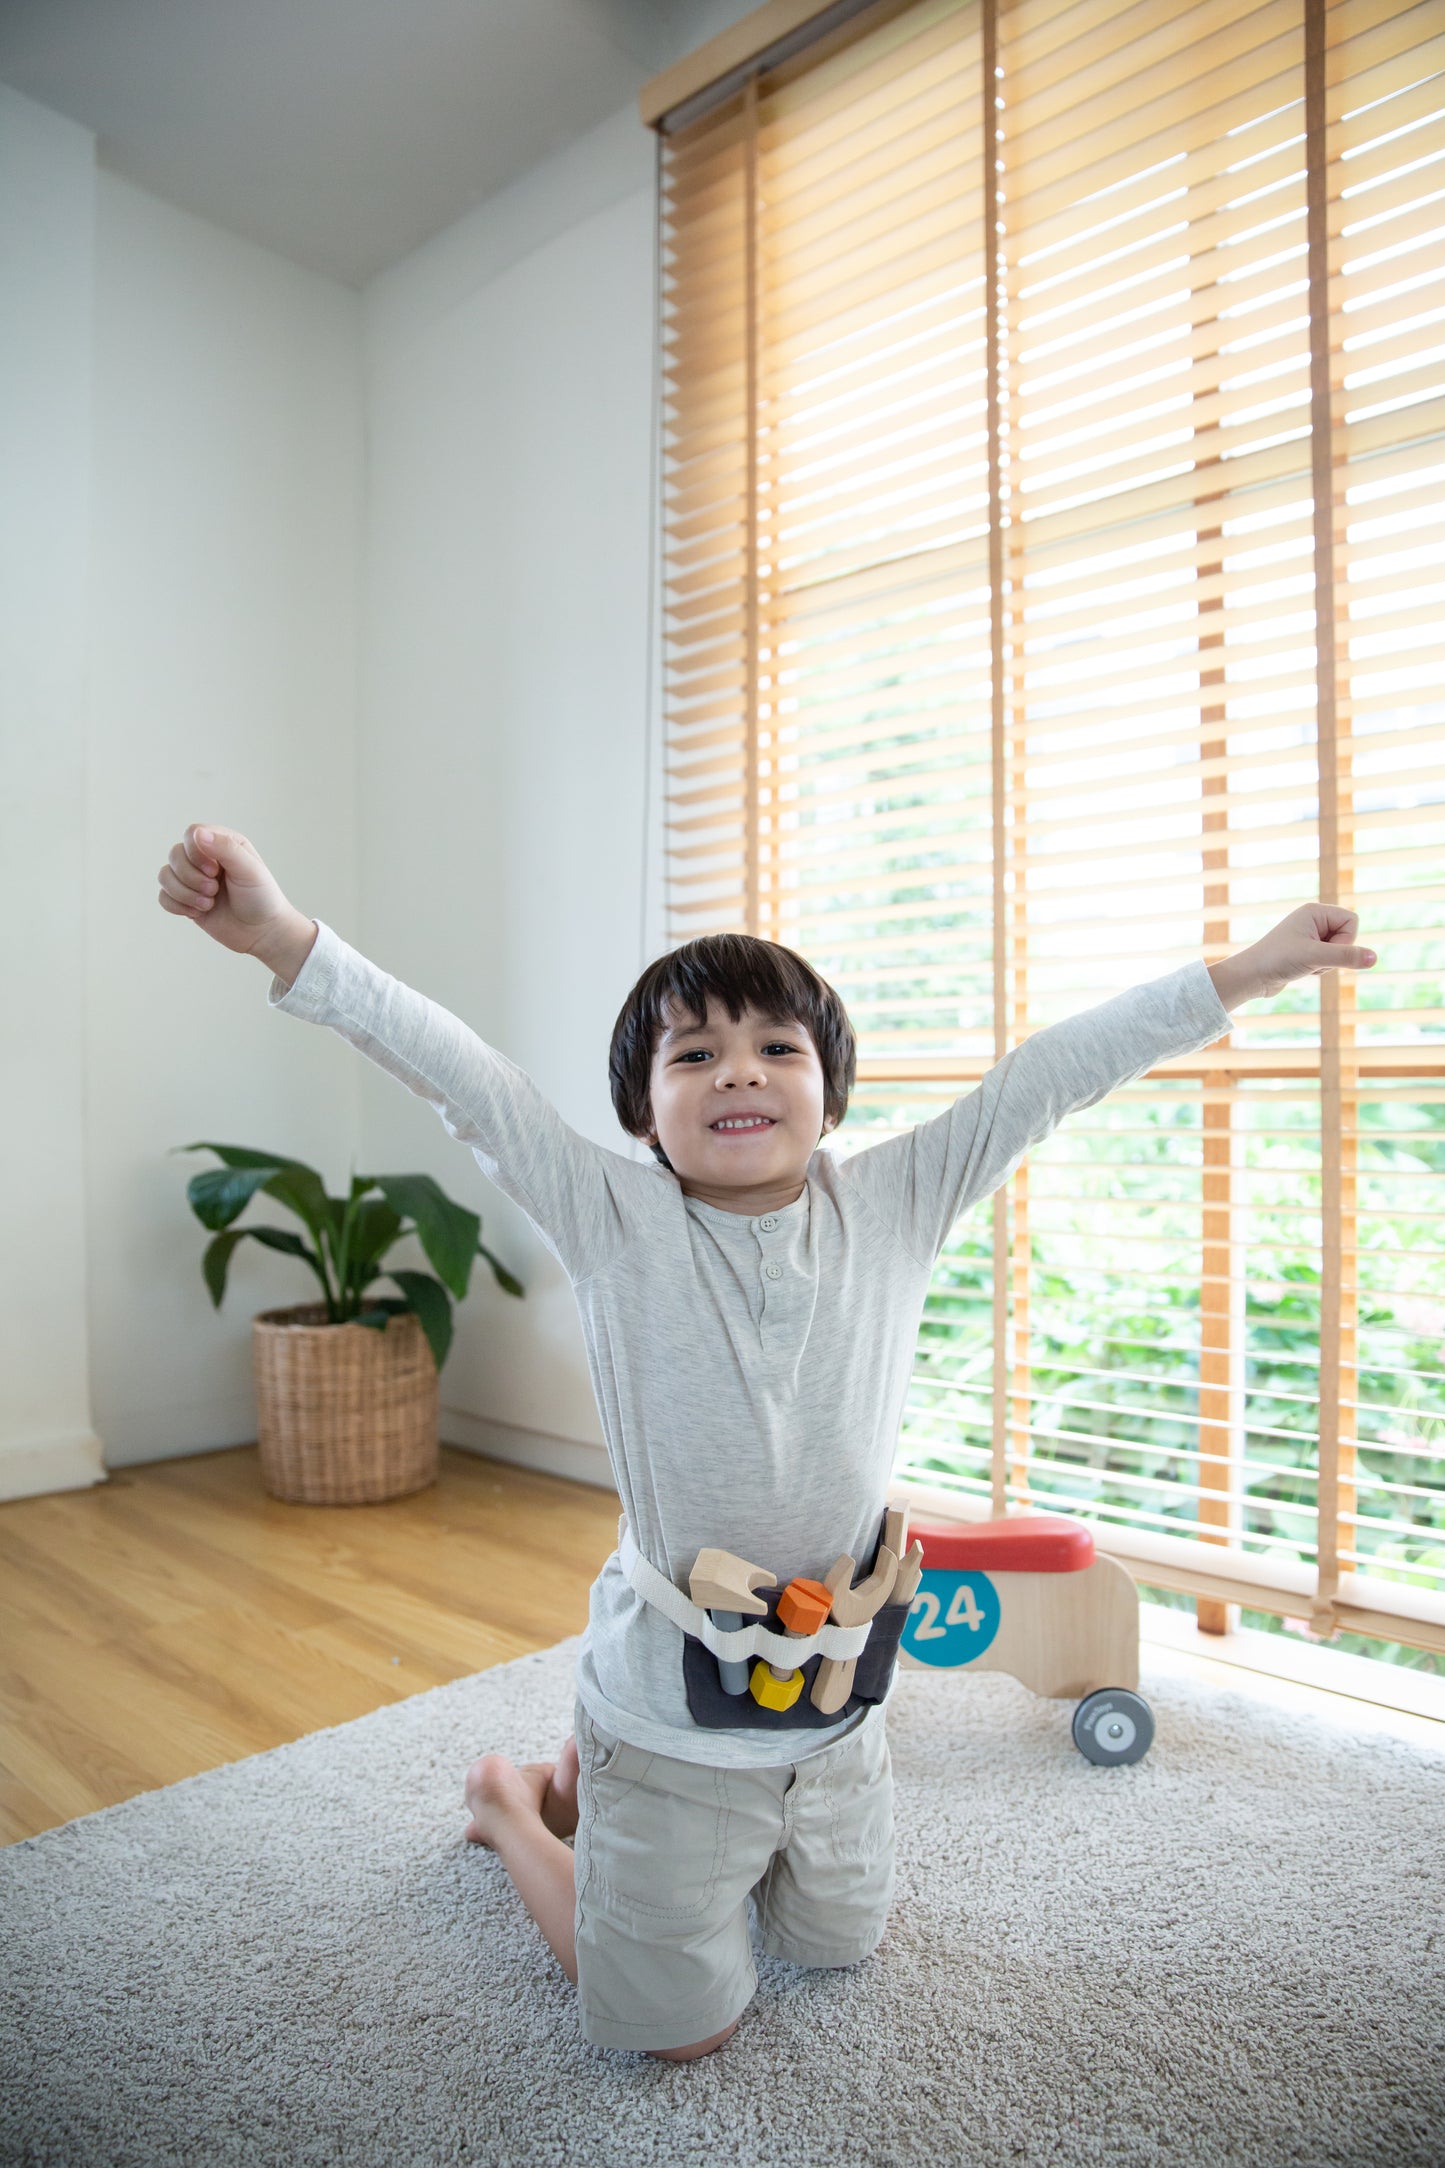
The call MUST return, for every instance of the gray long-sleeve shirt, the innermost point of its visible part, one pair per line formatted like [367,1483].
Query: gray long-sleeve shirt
[750,1372]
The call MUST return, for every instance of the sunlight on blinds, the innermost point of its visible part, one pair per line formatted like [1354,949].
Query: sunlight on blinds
[831,748]
[1054,570]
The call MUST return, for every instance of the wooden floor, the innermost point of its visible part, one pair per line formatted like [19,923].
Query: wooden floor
[176,1617]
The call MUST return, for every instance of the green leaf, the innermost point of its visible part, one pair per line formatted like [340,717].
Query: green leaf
[505,1279]
[446,1231]
[217,1259]
[216,1263]
[302,1191]
[281,1238]
[381,1313]
[290,1181]
[221,1194]
[374,1227]
[429,1300]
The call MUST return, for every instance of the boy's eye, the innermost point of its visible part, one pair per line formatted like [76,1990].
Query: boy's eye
[701,1053]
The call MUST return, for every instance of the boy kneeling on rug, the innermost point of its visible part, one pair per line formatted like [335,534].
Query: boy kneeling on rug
[750,1305]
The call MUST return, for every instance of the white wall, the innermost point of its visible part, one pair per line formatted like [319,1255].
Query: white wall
[504,712]
[47,215]
[226,517]
[180,435]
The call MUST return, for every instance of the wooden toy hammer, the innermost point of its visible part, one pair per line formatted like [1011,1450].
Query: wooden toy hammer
[723,1586]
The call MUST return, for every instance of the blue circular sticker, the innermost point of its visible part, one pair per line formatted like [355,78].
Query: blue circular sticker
[953,1618]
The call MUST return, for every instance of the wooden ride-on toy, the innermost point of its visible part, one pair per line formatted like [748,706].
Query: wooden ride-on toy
[1028,1595]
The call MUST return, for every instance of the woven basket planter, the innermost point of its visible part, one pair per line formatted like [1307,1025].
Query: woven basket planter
[347,1415]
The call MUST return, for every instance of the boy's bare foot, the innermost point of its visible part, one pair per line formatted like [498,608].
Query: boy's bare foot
[559,1802]
[497,1790]
[497,1787]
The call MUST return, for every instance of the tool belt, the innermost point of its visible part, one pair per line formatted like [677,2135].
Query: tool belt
[762,1673]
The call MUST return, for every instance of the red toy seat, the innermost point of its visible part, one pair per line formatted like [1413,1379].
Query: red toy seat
[1022,1543]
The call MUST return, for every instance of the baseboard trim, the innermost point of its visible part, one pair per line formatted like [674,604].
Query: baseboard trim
[70,1460]
[541,1449]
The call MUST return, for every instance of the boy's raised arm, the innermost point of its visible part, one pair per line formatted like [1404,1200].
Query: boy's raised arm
[562,1181]
[921,1181]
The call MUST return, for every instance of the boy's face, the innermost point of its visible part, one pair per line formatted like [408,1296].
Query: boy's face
[737,1107]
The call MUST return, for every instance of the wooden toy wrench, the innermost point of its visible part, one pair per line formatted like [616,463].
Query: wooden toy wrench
[854,1606]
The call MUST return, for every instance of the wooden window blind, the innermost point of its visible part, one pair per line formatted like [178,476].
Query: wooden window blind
[1053,448]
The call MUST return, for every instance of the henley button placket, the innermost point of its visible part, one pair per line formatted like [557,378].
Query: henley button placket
[776,1305]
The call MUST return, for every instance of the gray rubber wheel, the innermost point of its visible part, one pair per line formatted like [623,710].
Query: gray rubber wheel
[1113,1725]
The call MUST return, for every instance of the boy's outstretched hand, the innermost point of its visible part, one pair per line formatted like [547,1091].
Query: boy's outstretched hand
[1316,937]
[220,880]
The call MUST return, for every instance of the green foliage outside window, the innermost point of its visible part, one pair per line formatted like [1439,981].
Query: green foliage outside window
[1114,1338]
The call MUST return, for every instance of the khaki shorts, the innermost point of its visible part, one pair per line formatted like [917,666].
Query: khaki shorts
[669,1854]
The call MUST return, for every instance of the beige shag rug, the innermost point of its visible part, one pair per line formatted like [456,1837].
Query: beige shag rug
[1232,1952]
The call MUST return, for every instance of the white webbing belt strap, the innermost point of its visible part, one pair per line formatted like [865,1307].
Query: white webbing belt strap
[732,1645]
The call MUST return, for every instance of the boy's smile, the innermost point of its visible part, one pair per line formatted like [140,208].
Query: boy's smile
[737,1106]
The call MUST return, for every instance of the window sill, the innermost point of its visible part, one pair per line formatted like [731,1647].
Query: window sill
[1363,1692]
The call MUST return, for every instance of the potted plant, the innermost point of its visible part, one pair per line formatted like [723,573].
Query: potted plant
[346,1388]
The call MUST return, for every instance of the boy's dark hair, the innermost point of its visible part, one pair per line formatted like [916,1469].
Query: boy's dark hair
[740,971]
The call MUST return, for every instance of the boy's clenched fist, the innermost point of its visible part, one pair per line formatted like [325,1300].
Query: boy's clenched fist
[1316,937]
[219,879]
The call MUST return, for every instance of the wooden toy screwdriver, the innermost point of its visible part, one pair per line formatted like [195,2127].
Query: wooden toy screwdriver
[802,1609]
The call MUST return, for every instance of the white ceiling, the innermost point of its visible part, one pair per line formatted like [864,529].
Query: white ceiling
[341,133]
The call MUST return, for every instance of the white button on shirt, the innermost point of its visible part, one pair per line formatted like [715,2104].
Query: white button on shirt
[768,1224]
[774,1272]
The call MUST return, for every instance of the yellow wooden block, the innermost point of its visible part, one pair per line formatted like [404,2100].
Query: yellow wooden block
[774,1693]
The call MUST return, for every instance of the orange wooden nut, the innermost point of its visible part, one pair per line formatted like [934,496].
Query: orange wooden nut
[804,1606]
